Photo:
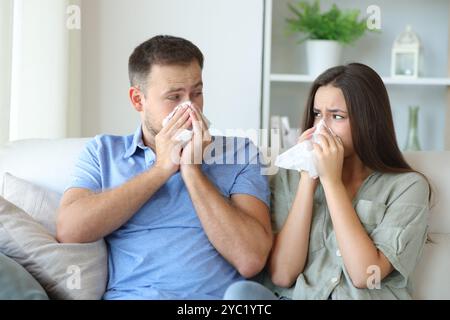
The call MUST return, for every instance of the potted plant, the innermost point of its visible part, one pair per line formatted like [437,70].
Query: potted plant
[324,33]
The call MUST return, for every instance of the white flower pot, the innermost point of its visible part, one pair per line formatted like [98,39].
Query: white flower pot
[322,55]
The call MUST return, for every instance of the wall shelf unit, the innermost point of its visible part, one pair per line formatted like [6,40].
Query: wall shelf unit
[286,82]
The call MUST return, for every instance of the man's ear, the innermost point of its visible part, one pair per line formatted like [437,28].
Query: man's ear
[137,99]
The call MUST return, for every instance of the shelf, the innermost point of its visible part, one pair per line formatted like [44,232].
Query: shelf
[302,78]
[280,55]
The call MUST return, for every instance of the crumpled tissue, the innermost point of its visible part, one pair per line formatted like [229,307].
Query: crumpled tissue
[301,156]
[184,135]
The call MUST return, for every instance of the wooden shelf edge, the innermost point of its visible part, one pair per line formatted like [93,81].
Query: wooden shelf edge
[301,78]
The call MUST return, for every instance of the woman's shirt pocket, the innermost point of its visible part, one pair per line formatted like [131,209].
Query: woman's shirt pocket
[370,213]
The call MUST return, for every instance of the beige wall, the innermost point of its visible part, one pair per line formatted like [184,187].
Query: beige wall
[229,32]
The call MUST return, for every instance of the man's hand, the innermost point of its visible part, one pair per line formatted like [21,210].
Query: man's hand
[168,149]
[192,154]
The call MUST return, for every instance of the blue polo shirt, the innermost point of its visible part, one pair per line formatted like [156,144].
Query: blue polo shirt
[162,252]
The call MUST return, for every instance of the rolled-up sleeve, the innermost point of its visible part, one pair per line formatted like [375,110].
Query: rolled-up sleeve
[251,180]
[86,173]
[402,232]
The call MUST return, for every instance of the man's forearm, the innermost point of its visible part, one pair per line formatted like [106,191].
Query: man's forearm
[240,238]
[97,215]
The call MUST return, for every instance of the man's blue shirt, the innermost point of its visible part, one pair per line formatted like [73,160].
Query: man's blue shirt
[162,252]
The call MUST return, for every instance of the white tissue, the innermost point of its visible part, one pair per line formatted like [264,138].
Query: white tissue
[184,135]
[300,157]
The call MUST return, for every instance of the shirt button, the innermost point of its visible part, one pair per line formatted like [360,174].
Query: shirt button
[334,280]
[338,253]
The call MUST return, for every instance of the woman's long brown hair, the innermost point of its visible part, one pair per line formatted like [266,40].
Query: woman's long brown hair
[370,115]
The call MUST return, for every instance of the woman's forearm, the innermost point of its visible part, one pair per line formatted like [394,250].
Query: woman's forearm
[290,249]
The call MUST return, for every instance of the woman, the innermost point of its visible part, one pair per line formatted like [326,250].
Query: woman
[358,230]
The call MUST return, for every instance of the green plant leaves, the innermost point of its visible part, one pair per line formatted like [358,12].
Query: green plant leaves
[335,24]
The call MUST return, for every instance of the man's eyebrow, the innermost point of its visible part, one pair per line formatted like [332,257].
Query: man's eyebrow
[173,90]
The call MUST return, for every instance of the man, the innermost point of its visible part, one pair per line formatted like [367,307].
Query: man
[175,228]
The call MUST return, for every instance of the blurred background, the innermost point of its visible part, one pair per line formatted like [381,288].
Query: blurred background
[63,63]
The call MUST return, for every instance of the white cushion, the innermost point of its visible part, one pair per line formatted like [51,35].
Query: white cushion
[66,271]
[435,165]
[40,203]
[431,277]
[47,163]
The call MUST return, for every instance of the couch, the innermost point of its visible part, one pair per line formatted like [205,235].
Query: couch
[47,163]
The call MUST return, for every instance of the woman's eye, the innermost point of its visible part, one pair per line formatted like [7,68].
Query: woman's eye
[338,117]
[316,114]
[198,94]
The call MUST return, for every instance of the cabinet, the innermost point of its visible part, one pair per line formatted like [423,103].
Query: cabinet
[286,83]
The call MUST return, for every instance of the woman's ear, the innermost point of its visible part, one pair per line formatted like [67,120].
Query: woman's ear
[137,99]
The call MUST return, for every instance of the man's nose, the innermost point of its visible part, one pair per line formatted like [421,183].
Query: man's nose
[185,97]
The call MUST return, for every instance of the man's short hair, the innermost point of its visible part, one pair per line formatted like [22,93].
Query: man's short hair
[161,50]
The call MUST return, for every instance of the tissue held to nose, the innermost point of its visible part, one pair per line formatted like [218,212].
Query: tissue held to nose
[184,135]
[187,104]
[300,157]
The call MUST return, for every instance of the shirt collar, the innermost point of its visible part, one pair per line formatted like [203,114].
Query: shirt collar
[136,142]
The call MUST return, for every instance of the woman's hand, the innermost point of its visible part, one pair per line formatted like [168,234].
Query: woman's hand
[306,135]
[304,175]
[329,157]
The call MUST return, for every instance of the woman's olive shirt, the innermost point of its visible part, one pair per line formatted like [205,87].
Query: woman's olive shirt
[393,208]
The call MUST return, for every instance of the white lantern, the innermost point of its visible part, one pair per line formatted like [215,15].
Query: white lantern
[405,55]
